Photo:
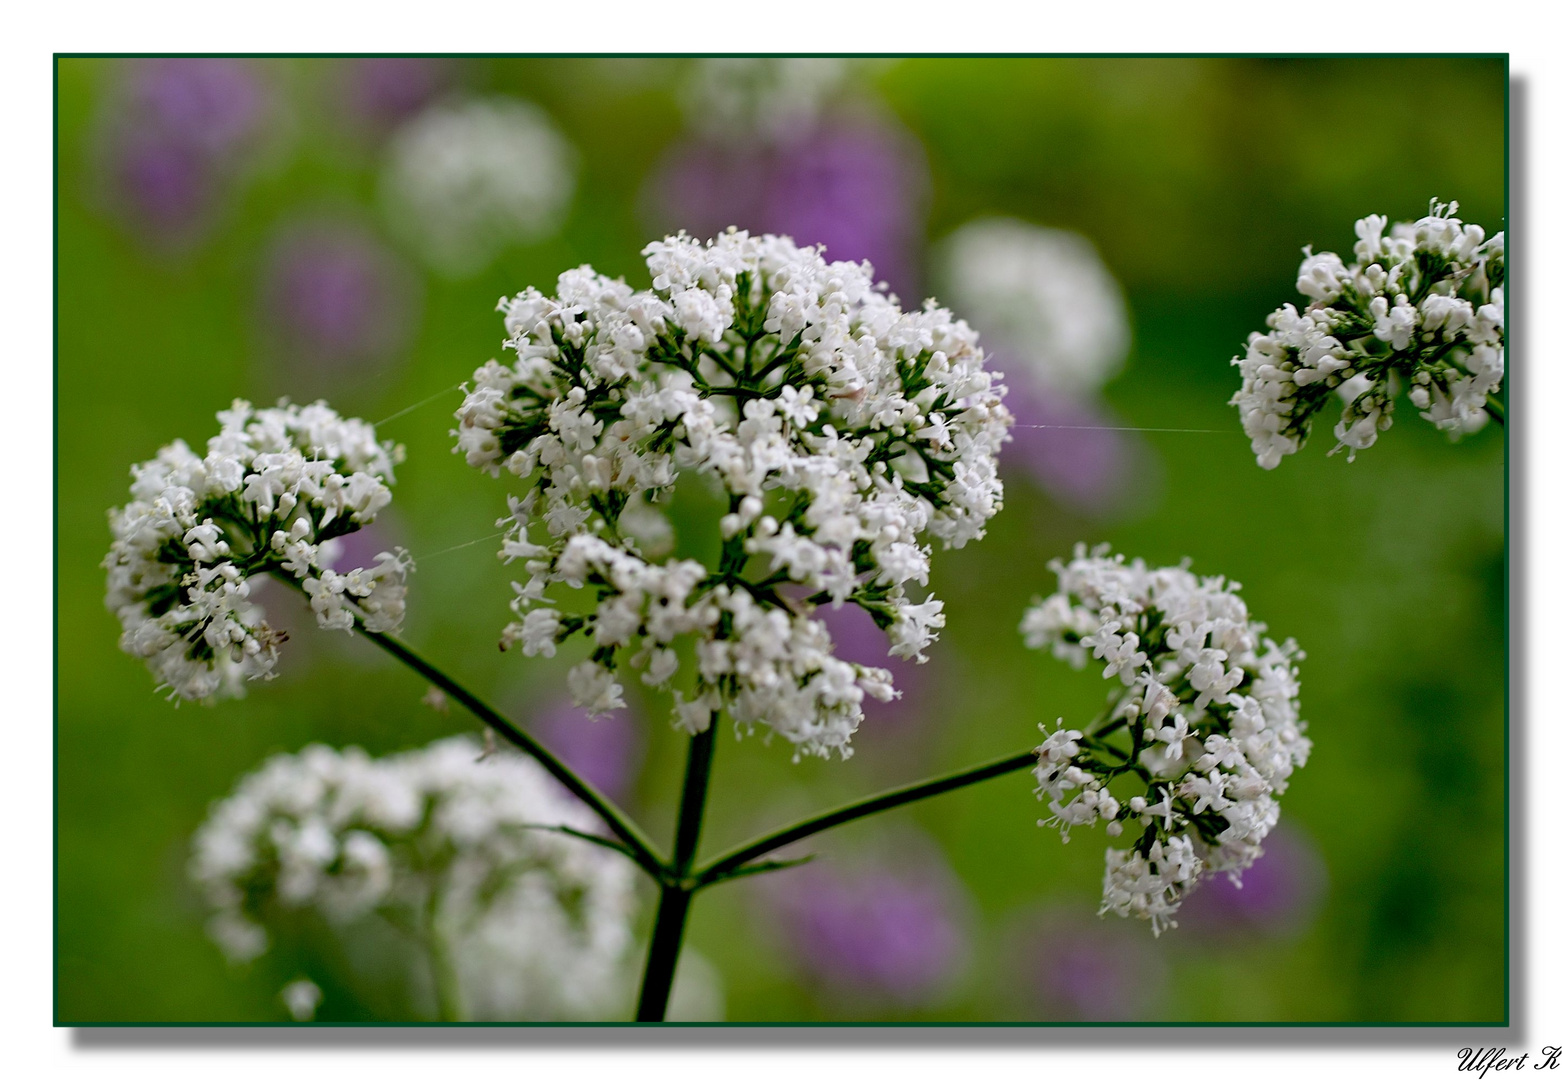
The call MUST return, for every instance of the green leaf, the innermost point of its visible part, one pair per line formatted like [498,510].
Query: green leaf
[758,868]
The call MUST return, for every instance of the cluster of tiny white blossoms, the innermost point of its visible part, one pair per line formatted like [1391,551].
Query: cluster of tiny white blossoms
[1422,305]
[1205,725]
[1044,295]
[275,487]
[527,922]
[463,181]
[840,430]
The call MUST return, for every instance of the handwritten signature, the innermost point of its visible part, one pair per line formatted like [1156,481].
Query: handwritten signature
[1482,1059]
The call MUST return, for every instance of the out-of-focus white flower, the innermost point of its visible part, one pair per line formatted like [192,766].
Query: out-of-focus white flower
[763,97]
[843,432]
[1205,725]
[1044,295]
[274,487]
[302,997]
[464,181]
[1421,307]
[521,922]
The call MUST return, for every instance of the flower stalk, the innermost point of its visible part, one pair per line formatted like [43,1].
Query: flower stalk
[677,879]
[636,844]
[736,861]
[672,909]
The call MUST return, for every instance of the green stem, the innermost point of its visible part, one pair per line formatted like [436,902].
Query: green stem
[672,913]
[672,909]
[640,848]
[726,864]
[691,808]
[447,987]
[1495,410]
[678,880]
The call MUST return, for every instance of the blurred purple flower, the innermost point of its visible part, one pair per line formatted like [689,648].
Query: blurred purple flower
[857,185]
[174,134]
[333,297]
[1073,967]
[1280,893]
[215,104]
[164,186]
[888,933]
[379,92]
[1069,447]
[608,751]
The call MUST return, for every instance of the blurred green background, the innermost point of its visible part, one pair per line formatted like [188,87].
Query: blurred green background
[1199,181]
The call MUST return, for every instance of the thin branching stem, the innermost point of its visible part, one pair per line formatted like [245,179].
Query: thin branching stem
[678,879]
[638,846]
[725,865]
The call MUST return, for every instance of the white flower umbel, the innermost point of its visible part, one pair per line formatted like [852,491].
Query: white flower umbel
[1196,744]
[521,923]
[1044,295]
[274,486]
[842,432]
[464,181]
[1420,308]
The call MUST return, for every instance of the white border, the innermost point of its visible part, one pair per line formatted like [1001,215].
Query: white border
[32,1047]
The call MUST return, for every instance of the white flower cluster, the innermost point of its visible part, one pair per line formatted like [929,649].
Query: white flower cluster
[274,486]
[527,923]
[1044,295]
[464,181]
[1422,306]
[840,430]
[1205,725]
[763,97]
